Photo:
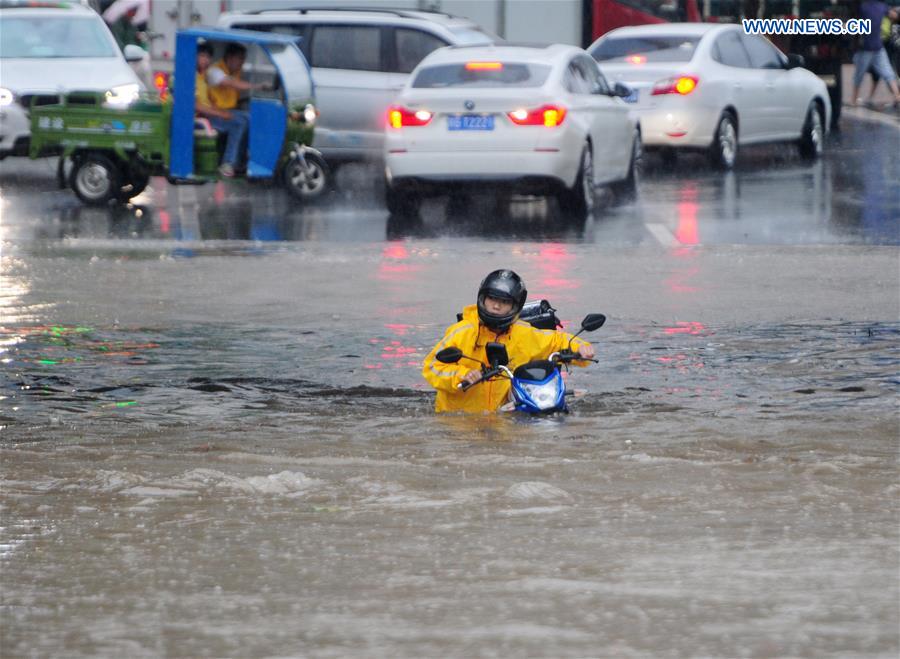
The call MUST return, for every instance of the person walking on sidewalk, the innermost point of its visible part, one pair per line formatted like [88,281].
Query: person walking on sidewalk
[872,54]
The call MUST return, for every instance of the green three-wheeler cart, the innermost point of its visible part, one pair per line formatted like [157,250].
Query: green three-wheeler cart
[109,152]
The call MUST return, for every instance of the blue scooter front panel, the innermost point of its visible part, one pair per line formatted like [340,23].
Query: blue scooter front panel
[540,396]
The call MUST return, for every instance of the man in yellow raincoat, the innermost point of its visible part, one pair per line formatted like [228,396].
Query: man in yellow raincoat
[494,318]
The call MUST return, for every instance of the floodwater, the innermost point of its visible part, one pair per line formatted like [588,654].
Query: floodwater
[225,449]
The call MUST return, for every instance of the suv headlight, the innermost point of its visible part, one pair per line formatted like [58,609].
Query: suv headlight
[123,94]
[309,114]
[6,97]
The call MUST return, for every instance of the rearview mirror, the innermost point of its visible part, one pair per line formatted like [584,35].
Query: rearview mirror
[496,354]
[621,90]
[592,322]
[133,53]
[795,61]
[449,355]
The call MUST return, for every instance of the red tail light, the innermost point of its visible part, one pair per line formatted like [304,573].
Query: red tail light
[682,85]
[399,117]
[546,115]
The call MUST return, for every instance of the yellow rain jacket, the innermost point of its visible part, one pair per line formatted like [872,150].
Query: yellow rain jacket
[523,342]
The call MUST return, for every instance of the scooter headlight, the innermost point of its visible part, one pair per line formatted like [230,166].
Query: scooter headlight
[122,95]
[544,396]
[6,97]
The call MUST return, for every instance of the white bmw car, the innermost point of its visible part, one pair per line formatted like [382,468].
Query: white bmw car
[530,120]
[706,86]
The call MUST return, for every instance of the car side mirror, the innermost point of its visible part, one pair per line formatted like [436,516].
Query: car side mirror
[795,61]
[621,90]
[496,354]
[133,53]
[449,355]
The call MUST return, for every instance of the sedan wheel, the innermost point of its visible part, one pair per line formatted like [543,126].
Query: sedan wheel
[812,142]
[723,152]
[626,189]
[578,202]
[587,181]
[401,203]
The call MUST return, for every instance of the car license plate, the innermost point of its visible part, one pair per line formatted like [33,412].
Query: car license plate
[470,122]
[632,97]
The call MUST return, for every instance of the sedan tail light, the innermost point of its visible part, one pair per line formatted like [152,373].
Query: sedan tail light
[682,85]
[546,115]
[399,117]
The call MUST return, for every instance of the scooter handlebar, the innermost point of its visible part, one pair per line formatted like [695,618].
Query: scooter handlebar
[485,375]
[566,356]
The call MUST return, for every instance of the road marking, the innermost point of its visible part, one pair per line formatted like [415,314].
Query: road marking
[662,234]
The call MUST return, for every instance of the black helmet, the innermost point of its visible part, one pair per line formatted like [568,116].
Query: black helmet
[504,285]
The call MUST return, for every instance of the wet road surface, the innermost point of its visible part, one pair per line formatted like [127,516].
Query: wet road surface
[851,197]
[217,443]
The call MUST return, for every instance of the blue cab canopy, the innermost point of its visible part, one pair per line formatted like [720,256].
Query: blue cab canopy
[293,73]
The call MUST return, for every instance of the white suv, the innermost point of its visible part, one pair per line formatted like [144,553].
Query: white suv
[360,59]
[49,48]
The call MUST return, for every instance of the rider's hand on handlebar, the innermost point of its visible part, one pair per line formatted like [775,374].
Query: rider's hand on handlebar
[472,377]
[585,351]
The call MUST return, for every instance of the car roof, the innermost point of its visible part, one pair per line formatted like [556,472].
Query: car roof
[38,8]
[537,53]
[357,14]
[662,29]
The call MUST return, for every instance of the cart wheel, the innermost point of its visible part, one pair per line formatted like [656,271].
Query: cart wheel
[95,179]
[309,183]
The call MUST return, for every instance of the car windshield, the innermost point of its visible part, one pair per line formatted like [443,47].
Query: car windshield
[670,48]
[482,74]
[55,37]
[471,35]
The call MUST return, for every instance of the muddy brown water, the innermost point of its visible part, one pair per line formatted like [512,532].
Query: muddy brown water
[233,454]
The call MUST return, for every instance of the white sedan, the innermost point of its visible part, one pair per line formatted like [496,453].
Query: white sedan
[705,86]
[530,120]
